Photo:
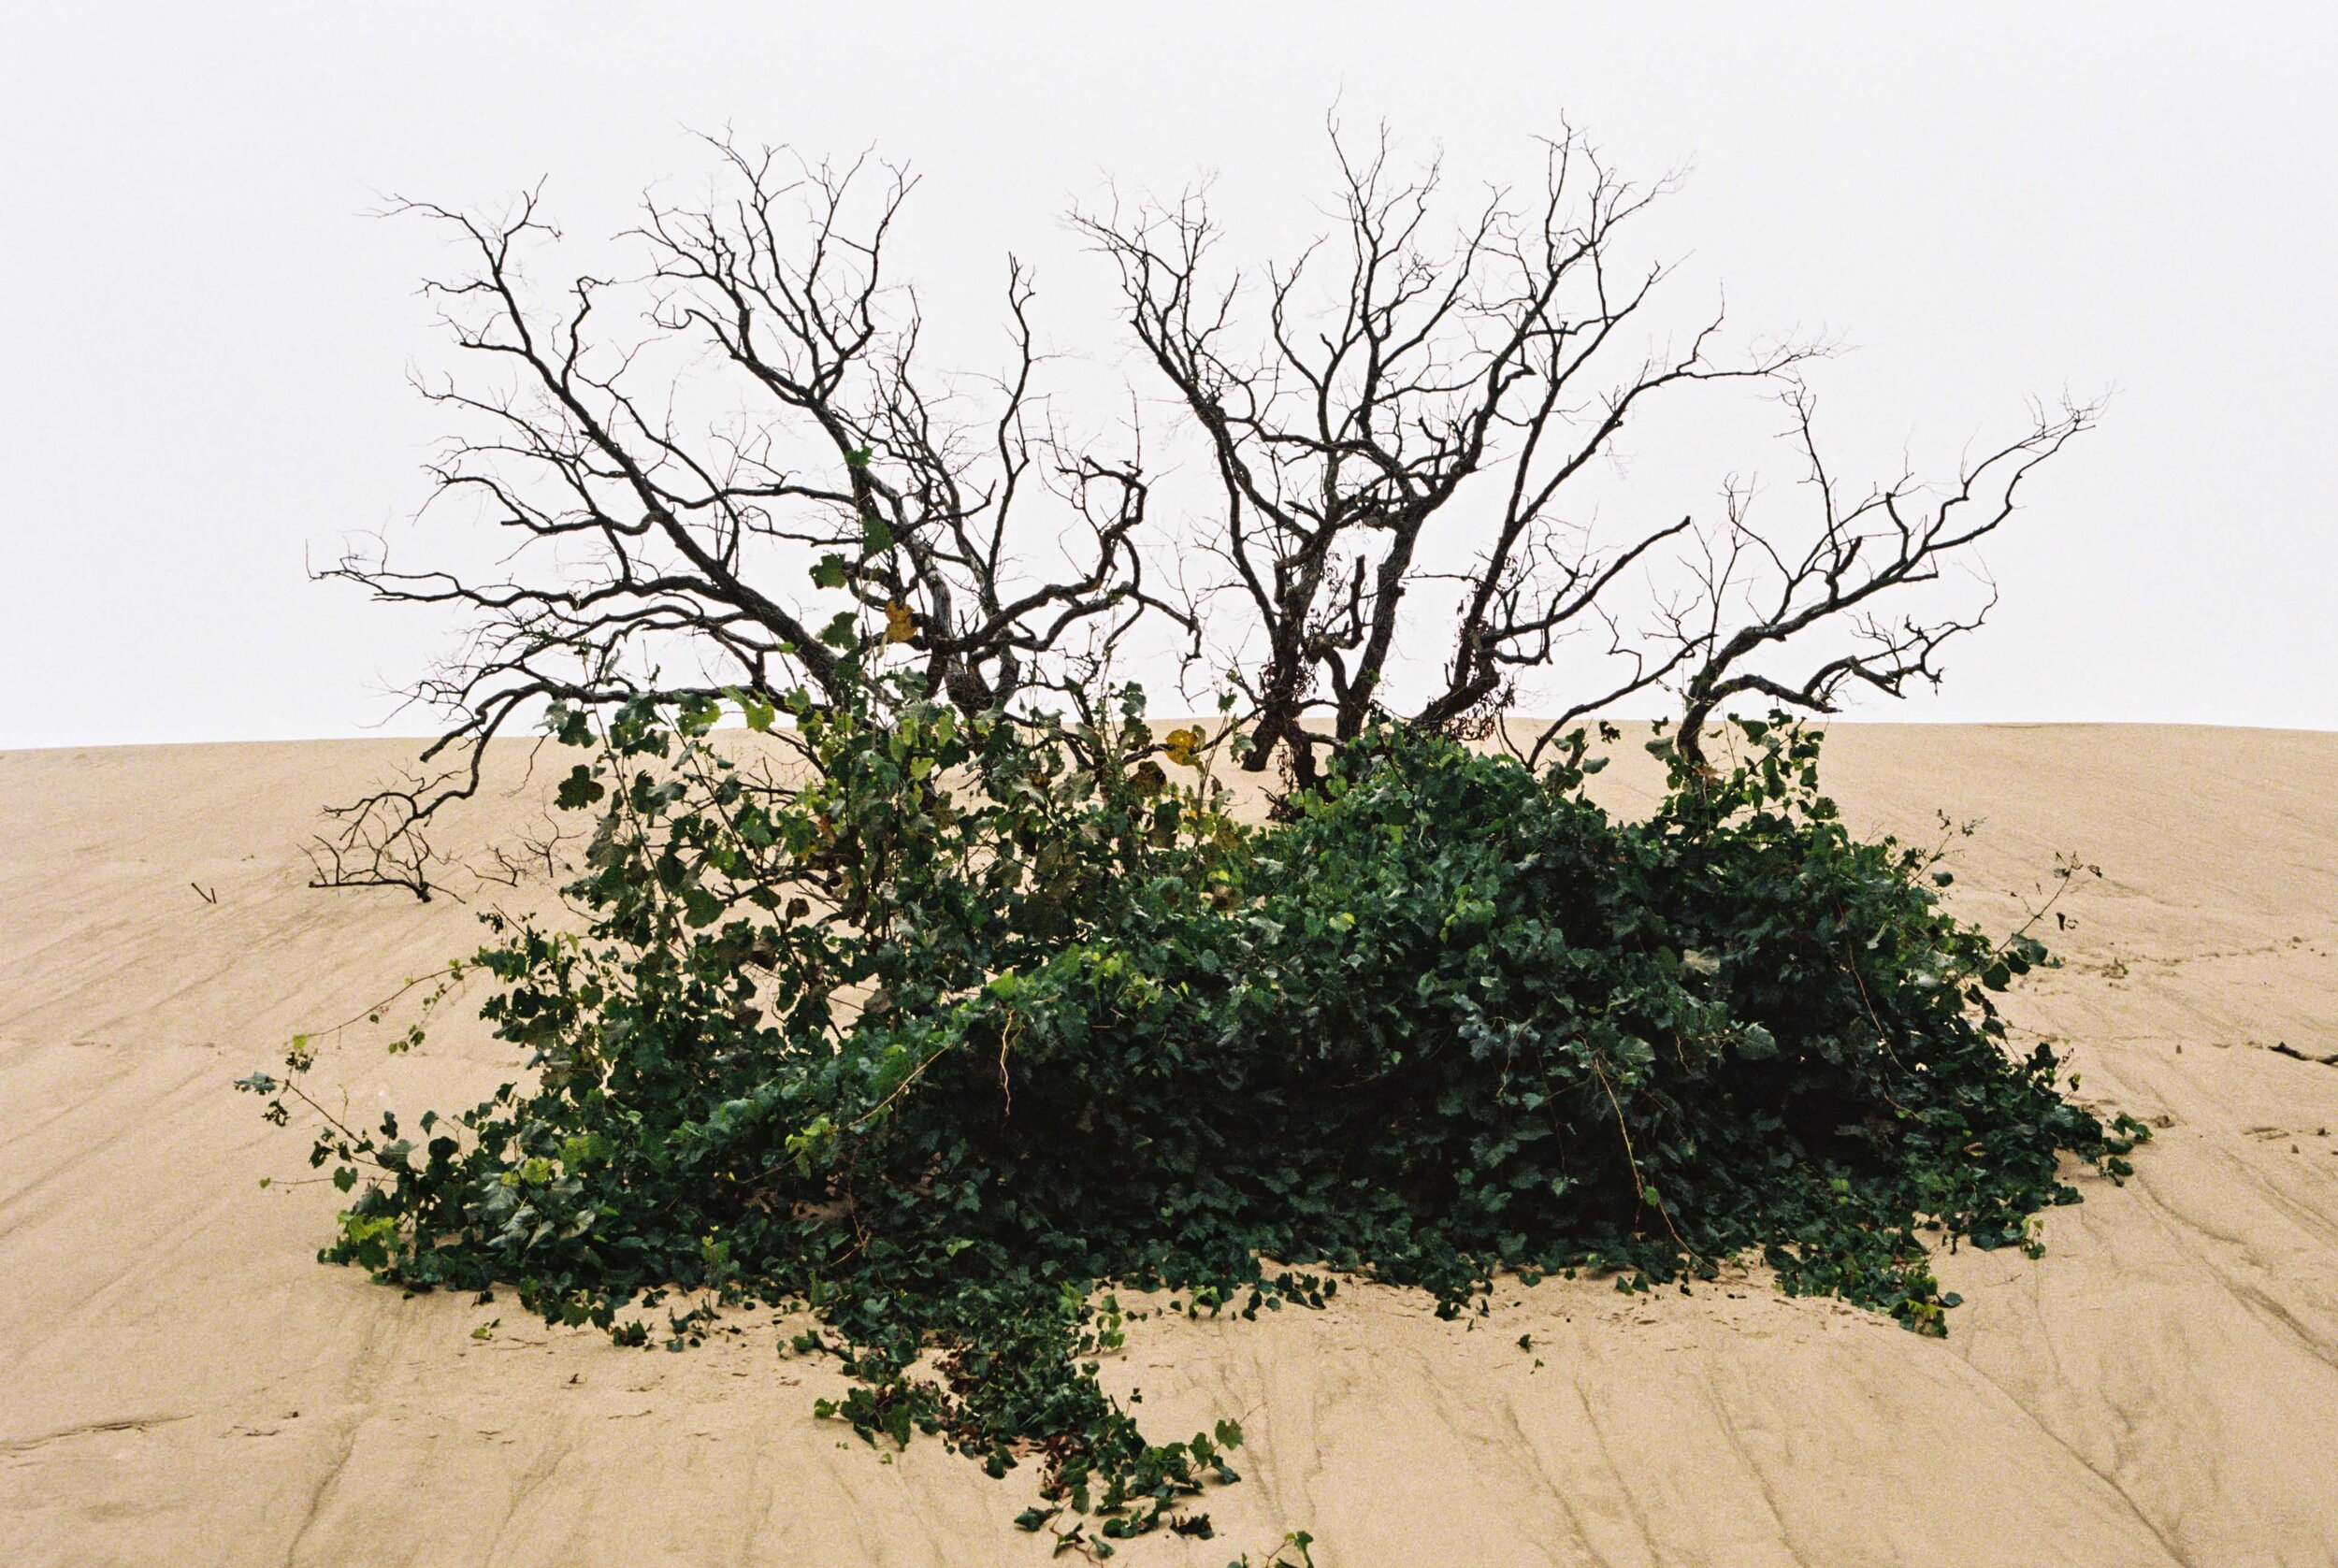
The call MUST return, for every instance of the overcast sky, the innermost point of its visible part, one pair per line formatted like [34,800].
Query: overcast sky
[207,338]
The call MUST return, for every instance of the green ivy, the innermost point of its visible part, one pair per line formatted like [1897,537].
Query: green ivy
[978,1017]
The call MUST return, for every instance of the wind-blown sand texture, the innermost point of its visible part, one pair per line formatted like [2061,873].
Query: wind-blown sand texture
[181,1383]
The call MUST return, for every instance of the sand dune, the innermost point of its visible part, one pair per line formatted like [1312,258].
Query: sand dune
[183,1385]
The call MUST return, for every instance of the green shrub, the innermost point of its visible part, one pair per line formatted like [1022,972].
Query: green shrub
[983,1015]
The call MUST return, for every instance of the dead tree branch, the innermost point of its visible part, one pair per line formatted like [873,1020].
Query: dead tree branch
[1755,597]
[730,471]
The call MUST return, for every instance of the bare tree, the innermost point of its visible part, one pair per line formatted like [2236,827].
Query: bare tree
[1386,403]
[1347,437]
[848,515]
[1396,407]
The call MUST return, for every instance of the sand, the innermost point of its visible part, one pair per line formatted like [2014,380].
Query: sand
[181,1383]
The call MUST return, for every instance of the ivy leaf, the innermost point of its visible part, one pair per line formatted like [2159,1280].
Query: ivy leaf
[579,789]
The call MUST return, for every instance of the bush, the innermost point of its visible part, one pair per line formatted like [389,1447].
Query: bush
[984,1013]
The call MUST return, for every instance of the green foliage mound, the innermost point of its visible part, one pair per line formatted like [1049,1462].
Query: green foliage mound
[975,1016]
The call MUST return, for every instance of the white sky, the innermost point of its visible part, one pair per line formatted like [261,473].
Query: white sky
[204,341]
